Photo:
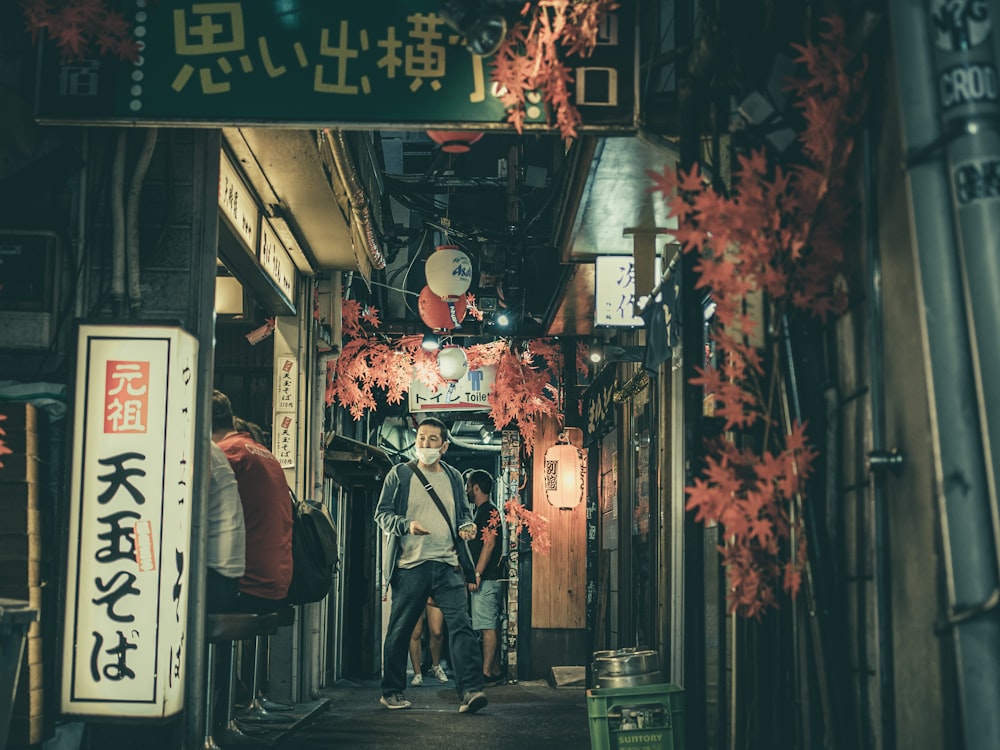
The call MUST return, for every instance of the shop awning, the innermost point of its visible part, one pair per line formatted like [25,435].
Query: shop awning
[349,461]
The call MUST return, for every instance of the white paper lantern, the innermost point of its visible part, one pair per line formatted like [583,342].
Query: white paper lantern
[449,272]
[563,475]
[452,363]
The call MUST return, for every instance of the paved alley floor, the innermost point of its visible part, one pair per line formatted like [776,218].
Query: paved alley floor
[522,716]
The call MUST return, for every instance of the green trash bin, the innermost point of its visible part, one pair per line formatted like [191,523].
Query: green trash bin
[15,619]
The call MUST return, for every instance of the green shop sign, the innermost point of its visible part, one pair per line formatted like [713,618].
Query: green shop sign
[316,63]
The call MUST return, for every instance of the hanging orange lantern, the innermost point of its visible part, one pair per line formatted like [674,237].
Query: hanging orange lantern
[563,475]
[437,313]
[452,362]
[455,141]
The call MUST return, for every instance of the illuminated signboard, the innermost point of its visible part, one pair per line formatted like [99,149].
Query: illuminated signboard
[125,616]
[319,63]
[468,393]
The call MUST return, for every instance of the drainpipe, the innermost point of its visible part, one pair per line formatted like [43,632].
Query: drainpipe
[963,483]
[118,225]
[132,220]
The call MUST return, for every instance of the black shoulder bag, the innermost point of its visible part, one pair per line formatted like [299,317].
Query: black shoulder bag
[440,506]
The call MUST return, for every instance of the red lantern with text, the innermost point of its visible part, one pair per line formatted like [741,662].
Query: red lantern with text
[437,314]
[564,474]
[455,141]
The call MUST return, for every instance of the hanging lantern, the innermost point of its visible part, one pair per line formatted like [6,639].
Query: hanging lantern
[449,272]
[452,363]
[563,474]
[455,141]
[437,313]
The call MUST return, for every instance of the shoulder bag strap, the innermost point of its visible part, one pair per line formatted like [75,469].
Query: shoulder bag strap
[437,500]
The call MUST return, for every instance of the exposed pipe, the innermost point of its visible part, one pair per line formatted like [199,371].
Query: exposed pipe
[118,225]
[878,500]
[355,193]
[132,219]
[962,482]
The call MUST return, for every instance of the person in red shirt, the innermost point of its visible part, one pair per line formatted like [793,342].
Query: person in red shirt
[267,511]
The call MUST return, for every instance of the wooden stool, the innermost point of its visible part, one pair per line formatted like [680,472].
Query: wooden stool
[221,628]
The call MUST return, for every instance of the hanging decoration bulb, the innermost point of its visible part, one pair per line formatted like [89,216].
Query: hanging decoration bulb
[437,313]
[449,274]
[452,362]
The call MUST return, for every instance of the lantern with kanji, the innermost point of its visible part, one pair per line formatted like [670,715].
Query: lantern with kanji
[437,314]
[564,474]
[452,362]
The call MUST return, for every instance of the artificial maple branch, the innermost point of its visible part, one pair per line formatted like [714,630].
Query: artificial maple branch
[81,28]
[529,66]
[4,450]
[775,236]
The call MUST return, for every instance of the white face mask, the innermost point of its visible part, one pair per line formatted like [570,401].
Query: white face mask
[428,456]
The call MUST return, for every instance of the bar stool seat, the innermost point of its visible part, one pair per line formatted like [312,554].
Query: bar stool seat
[286,618]
[261,708]
[229,627]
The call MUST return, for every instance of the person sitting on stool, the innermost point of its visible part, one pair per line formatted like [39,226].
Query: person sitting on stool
[267,511]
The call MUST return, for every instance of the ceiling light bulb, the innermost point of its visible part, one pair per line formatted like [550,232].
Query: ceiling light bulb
[431,342]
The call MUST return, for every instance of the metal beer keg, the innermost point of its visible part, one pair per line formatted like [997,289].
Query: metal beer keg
[626,667]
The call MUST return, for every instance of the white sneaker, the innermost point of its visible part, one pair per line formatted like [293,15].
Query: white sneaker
[417,681]
[439,673]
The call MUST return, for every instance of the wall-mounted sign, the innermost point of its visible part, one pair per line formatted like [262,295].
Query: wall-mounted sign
[276,261]
[468,393]
[237,205]
[286,396]
[317,62]
[614,293]
[125,615]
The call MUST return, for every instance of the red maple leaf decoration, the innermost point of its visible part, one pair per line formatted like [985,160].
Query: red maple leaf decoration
[81,28]
[4,450]
[776,237]
[529,68]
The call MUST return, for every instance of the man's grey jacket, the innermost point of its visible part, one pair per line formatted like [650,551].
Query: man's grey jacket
[390,515]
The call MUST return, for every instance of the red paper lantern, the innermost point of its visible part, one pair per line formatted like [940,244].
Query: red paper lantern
[455,141]
[437,313]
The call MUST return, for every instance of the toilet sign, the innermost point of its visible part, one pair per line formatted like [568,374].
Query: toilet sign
[469,393]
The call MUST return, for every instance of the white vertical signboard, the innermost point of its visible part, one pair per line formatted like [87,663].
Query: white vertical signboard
[286,396]
[125,615]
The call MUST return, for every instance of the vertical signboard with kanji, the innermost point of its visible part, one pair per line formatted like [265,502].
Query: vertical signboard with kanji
[286,393]
[125,614]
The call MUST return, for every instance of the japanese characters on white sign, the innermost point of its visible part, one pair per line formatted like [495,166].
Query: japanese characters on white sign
[283,437]
[614,294]
[468,393]
[125,615]
[276,262]
[237,204]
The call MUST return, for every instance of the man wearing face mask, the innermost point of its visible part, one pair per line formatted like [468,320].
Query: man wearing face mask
[426,555]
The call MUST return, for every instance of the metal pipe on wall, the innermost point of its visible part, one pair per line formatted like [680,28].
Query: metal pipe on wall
[963,484]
